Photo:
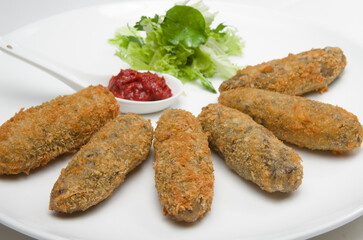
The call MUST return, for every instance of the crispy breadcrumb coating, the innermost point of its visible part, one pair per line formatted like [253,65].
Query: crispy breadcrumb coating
[306,123]
[183,166]
[295,74]
[102,164]
[251,150]
[39,134]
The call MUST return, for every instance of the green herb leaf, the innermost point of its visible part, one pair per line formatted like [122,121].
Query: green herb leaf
[185,25]
[219,29]
[140,25]
[204,81]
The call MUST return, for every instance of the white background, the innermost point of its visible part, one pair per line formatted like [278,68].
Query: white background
[340,16]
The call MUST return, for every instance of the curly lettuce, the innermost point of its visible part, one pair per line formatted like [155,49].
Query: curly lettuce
[181,43]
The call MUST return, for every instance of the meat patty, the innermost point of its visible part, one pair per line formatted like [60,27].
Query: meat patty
[251,150]
[295,74]
[298,120]
[39,134]
[183,166]
[101,165]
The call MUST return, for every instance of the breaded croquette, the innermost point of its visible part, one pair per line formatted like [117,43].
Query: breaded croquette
[251,150]
[183,166]
[39,134]
[296,74]
[101,165]
[306,123]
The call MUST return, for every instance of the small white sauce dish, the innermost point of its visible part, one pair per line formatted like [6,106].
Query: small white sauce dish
[146,107]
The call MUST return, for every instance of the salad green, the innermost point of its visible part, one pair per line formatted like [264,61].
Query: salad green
[181,43]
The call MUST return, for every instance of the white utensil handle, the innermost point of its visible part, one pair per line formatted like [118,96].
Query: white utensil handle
[26,55]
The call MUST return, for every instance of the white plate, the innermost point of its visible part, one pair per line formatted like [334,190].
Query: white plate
[329,196]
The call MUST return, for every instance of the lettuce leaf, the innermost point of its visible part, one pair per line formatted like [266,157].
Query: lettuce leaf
[181,43]
[188,30]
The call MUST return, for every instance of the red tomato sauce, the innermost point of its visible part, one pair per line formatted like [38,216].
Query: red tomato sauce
[133,85]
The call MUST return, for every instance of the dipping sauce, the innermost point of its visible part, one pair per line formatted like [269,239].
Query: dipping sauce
[139,86]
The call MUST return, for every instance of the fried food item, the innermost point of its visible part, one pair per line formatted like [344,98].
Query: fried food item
[306,123]
[39,134]
[296,74]
[183,166]
[251,150]
[101,165]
